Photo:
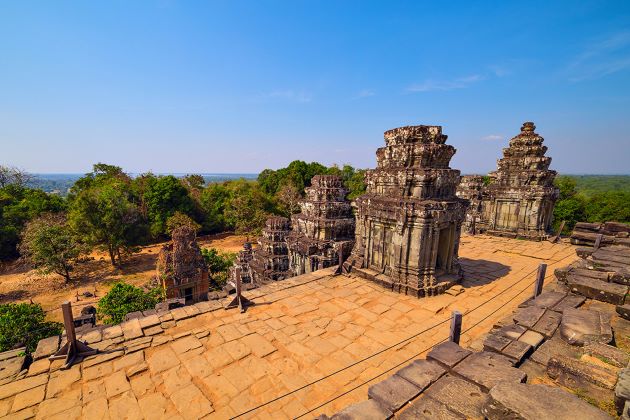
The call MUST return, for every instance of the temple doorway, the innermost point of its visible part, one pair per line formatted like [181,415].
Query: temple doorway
[443,251]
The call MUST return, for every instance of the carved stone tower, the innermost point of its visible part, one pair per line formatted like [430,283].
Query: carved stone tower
[271,258]
[471,188]
[409,221]
[521,196]
[241,265]
[323,228]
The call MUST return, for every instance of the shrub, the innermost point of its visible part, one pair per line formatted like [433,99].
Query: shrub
[23,324]
[124,298]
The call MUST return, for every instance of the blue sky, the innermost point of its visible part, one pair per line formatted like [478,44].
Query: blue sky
[239,86]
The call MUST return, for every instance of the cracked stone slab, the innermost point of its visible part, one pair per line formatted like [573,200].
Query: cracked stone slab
[582,326]
[487,369]
[495,342]
[364,410]
[448,354]
[555,346]
[517,351]
[46,347]
[131,329]
[525,401]
[576,374]
[429,409]
[528,317]
[609,354]
[569,302]
[458,395]
[512,331]
[421,373]
[547,299]
[393,392]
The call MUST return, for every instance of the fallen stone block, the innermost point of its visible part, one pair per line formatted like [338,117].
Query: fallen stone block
[622,389]
[621,276]
[495,343]
[448,354]
[569,302]
[528,317]
[429,409]
[624,311]
[599,290]
[525,401]
[421,373]
[393,392]
[555,346]
[548,323]
[608,354]
[532,338]
[458,395]
[547,299]
[581,326]
[512,331]
[46,347]
[576,374]
[517,351]
[487,369]
[369,410]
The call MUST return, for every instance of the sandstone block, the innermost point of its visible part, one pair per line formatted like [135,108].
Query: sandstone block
[448,354]
[581,326]
[576,374]
[532,338]
[429,409]
[46,347]
[548,323]
[421,373]
[131,329]
[487,369]
[598,290]
[393,392]
[364,410]
[458,395]
[528,317]
[609,354]
[525,401]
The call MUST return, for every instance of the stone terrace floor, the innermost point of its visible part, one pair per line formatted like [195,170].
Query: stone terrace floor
[222,363]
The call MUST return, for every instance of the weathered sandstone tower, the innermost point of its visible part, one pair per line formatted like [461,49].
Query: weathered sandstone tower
[241,267]
[409,221]
[521,196]
[471,188]
[271,258]
[323,228]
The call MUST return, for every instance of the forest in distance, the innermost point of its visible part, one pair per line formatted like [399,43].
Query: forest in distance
[114,211]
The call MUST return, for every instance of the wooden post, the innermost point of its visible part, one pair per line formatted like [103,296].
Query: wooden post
[540,279]
[239,300]
[73,348]
[456,327]
[598,241]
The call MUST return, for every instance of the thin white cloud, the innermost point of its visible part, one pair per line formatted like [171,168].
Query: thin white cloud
[365,93]
[601,58]
[492,137]
[431,85]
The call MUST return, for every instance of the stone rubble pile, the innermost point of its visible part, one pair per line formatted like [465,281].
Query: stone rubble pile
[613,233]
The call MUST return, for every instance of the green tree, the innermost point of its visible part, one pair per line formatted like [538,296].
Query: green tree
[288,197]
[214,201]
[17,206]
[124,298]
[105,216]
[50,245]
[180,219]
[219,264]
[23,324]
[609,206]
[164,196]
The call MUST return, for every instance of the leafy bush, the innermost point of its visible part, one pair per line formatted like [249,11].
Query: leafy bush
[124,298]
[180,219]
[219,264]
[23,324]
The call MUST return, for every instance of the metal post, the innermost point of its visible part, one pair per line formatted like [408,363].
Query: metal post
[540,279]
[73,348]
[456,327]
[598,241]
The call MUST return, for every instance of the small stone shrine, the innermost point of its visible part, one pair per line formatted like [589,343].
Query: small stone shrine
[520,198]
[241,265]
[409,221]
[324,228]
[270,261]
[471,188]
[181,269]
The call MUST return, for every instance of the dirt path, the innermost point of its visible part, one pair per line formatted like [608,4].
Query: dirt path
[21,284]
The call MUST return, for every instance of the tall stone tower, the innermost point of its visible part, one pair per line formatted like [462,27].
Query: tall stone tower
[323,228]
[521,196]
[241,268]
[471,188]
[271,258]
[409,221]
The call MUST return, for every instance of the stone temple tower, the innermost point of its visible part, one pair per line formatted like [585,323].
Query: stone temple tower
[323,228]
[521,196]
[270,261]
[409,221]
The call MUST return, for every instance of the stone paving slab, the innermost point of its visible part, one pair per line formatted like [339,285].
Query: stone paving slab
[581,326]
[462,397]
[429,409]
[448,354]
[487,369]
[393,392]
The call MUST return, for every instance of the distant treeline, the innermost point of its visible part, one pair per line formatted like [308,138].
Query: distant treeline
[109,209]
